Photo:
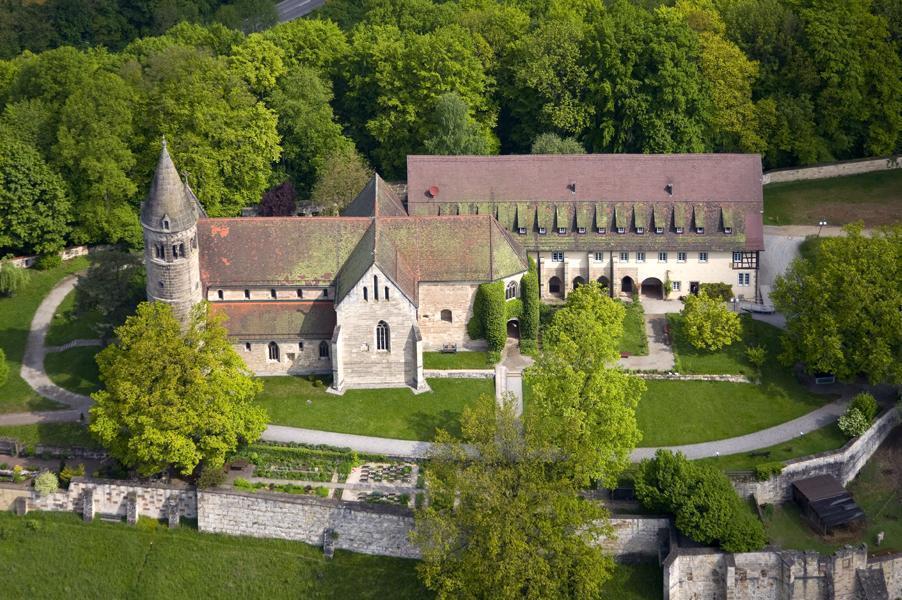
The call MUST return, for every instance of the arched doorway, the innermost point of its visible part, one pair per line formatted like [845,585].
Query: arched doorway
[513,329]
[626,285]
[554,286]
[653,288]
[578,281]
[603,282]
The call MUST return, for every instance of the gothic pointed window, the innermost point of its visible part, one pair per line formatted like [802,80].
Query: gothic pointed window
[382,336]
[511,291]
[324,350]
[274,351]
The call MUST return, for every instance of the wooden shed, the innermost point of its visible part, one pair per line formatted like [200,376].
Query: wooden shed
[826,504]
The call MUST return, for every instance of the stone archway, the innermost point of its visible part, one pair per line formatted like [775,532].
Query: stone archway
[627,284]
[603,282]
[652,287]
[554,287]
[578,281]
[513,329]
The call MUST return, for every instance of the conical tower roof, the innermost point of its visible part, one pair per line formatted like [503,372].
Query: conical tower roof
[169,199]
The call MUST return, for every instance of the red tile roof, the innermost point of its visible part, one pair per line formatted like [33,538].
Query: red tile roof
[277,320]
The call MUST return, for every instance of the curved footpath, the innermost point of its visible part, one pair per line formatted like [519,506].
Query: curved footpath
[33,373]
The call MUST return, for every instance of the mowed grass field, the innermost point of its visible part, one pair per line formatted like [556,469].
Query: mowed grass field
[66,326]
[74,369]
[875,198]
[390,413]
[54,555]
[16,313]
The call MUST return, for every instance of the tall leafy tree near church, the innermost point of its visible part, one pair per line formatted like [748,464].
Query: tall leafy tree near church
[174,398]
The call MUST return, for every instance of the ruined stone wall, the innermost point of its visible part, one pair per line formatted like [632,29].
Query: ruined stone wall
[9,494]
[892,572]
[636,537]
[837,169]
[110,498]
[843,464]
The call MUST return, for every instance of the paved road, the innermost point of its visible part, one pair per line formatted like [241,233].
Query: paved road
[294,9]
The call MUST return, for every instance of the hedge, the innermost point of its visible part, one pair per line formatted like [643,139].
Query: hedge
[489,313]
[529,292]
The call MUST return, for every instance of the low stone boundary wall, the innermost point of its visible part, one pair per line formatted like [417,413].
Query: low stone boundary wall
[459,373]
[843,464]
[69,253]
[837,169]
[679,377]
[696,573]
[112,498]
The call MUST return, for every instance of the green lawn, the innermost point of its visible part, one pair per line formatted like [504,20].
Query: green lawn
[729,360]
[877,490]
[635,582]
[53,555]
[391,413]
[74,370]
[687,412]
[634,340]
[456,360]
[15,319]
[51,434]
[66,327]
[875,198]
[819,440]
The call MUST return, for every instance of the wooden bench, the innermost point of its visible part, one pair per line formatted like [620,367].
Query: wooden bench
[449,348]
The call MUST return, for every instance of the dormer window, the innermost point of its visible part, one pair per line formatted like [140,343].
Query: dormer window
[679,230]
[602,230]
[621,230]
[542,231]
[659,230]
[699,230]
[580,230]
[521,230]
[562,230]
[728,230]
[640,230]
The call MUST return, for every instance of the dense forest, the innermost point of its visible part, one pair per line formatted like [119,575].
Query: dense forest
[366,82]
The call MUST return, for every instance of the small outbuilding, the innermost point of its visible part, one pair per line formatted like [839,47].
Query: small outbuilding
[826,504]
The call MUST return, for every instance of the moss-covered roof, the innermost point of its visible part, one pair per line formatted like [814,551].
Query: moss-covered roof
[276,320]
[584,214]
[698,216]
[377,199]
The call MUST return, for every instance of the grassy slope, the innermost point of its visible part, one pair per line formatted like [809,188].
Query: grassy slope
[64,557]
[456,360]
[634,340]
[394,413]
[51,434]
[15,319]
[74,369]
[875,198]
[66,327]
[819,440]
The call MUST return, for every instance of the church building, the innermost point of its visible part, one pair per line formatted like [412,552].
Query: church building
[363,295]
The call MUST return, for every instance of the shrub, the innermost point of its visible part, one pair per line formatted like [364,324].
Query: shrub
[4,367]
[45,262]
[488,320]
[702,500]
[147,524]
[765,471]
[513,309]
[529,294]
[756,356]
[17,474]
[322,492]
[853,423]
[529,347]
[12,278]
[867,404]
[721,291]
[708,324]
[67,473]
[211,477]
[280,201]
[46,483]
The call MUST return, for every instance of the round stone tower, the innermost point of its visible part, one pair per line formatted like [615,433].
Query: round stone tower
[169,220]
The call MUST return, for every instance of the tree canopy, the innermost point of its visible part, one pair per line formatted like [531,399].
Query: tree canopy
[707,322]
[499,523]
[842,306]
[174,399]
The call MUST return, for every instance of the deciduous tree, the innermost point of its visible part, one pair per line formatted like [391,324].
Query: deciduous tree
[12,278]
[551,143]
[708,324]
[173,398]
[500,523]
[842,306]
[452,130]
[112,287]
[343,175]
[280,201]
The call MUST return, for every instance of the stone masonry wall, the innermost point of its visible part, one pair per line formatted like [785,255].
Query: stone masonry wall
[706,573]
[292,359]
[110,498]
[843,464]
[848,167]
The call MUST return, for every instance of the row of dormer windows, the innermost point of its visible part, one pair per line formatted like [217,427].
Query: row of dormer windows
[300,293]
[621,230]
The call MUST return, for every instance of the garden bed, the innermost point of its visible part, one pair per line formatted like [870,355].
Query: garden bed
[450,361]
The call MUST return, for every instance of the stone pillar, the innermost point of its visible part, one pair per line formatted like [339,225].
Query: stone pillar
[21,506]
[566,283]
[87,505]
[172,512]
[131,508]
